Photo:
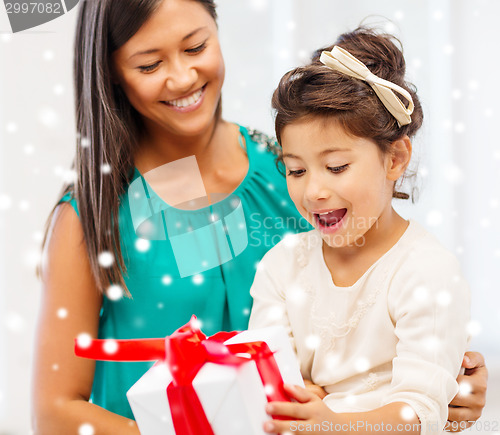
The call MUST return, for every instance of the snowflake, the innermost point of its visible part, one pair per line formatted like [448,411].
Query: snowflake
[106,168]
[431,343]
[14,322]
[198,279]
[362,364]
[473,328]
[448,49]
[166,280]
[434,218]
[313,341]
[48,55]
[268,389]
[114,292]
[399,15]
[297,295]
[29,149]
[62,313]
[58,89]
[105,259]
[85,142]
[84,340]
[11,127]
[86,429]
[110,346]
[456,94]
[421,293]
[443,298]
[407,413]
[24,205]
[48,117]
[464,388]
[437,15]
[258,5]
[142,245]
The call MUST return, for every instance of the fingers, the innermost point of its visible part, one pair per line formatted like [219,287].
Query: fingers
[300,394]
[462,413]
[287,409]
[316,389]
[281,427]
[473,360]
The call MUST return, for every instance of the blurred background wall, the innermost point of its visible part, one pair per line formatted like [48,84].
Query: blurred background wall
[451,47]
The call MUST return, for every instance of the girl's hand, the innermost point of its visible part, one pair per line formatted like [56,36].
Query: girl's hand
[299,416]
[316,389]
[468,404]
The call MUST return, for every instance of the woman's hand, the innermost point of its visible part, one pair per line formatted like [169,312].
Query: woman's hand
[299,416]
[468,404]
[316,389]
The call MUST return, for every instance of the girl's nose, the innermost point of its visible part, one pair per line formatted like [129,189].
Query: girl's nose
[316,189]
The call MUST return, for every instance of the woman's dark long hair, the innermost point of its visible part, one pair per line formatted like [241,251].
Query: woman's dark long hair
[108,127]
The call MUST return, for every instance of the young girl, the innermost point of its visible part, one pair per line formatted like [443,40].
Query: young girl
[375,307]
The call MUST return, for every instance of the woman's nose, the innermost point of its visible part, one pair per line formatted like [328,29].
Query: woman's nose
[181,76]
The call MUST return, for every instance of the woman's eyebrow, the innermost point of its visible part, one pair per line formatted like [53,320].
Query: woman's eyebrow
[154,50]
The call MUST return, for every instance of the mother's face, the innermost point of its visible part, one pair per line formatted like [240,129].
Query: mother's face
[172,69]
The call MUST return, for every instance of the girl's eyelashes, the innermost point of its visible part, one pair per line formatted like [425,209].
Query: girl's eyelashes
[149,68]
[296,173]
[332,169]
[337,169]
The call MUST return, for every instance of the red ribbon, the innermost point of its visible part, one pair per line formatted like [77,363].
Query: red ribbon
[185,352]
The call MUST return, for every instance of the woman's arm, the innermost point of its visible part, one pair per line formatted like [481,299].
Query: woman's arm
[70,306]
[468,404]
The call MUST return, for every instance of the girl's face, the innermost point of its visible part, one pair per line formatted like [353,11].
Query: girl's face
[172,69]
[338,182]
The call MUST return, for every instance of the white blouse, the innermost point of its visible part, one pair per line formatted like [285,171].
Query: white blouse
[397,335]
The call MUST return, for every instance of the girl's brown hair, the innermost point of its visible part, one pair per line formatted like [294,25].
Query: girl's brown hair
[316,90]
[108,127]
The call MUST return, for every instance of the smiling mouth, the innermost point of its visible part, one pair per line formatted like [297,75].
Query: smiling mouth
[186,101]
[331,218]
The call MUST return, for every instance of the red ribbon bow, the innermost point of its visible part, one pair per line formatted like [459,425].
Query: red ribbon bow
[185,352]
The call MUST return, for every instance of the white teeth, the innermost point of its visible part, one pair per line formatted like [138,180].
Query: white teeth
[185,102]
[321,214]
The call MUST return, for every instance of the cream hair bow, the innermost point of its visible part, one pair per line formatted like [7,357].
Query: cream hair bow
[341,60]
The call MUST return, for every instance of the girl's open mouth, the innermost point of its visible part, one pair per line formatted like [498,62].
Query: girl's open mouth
[330,221]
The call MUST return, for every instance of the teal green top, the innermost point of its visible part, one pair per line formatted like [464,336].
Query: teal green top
[162,300]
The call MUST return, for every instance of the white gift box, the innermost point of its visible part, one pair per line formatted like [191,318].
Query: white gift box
[233,398]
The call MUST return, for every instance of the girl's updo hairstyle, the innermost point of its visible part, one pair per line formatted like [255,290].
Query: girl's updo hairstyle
[316,90]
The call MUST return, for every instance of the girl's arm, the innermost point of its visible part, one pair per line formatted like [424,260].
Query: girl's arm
[311,416]
[70,306]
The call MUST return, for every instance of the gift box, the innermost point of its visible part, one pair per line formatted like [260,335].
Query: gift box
[218,385]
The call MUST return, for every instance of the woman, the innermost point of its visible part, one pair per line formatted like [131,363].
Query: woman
[148,78]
